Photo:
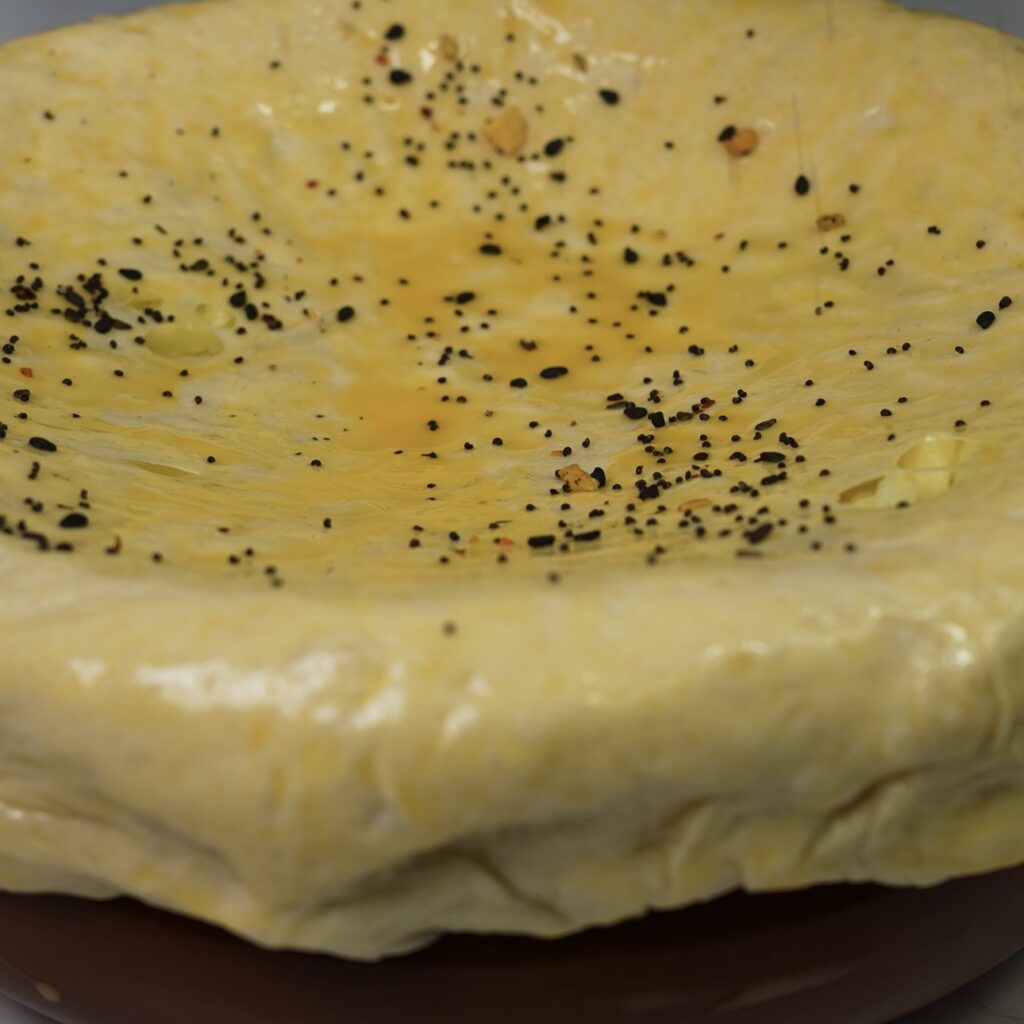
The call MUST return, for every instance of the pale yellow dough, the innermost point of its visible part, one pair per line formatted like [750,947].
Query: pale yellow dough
[386,746]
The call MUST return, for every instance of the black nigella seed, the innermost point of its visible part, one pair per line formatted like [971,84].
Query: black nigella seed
[22,394]
[490,249]
[517,382]
[41,444]
[803,185]
[345,314]
[761,533]
[74,521]
[554,147]
[635,412]
[130,275]
[1005,302]
[546,540]
[399,76]
[554,372]
[395,32]
[727,133]
[630,255]
[610,96]
[986,319]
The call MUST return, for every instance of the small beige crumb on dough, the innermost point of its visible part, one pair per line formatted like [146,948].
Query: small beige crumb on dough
[507,132]
[449,47]
[831,222]
[742,142]
[694,504]
[577,478]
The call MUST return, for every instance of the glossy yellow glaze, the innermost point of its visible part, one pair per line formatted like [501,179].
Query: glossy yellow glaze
[328,664]
[283,130]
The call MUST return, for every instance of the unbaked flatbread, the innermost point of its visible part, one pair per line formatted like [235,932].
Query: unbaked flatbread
[504,467]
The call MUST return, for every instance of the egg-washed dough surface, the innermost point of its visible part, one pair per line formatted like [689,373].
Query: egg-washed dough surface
[291,642]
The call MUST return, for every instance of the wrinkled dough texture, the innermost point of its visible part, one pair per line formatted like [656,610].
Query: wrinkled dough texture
[338,771]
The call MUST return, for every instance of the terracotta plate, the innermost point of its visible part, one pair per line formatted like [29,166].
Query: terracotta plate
[842,955]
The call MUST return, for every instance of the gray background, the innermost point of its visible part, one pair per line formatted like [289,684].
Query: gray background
[997,999]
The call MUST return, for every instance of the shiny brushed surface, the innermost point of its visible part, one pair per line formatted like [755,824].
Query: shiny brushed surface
[997,999]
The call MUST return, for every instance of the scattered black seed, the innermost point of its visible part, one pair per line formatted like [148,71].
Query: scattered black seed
[759,534]
[41,444]
[654,477]
[1005,302]
[106,323]
[74,521]
[394,33]
[986,319]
